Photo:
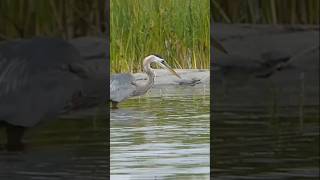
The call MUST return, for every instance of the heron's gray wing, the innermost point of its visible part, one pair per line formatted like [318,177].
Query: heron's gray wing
[21,59]
[43,98]
[13,74]
[33,85]
[121,87]
[27,97]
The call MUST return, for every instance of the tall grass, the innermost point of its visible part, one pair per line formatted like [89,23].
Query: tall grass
[178,30]
[266,11]
[59,18]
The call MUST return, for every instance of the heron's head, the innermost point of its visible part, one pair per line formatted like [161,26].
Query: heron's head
[160,61]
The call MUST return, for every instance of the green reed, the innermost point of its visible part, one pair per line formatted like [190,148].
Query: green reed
[266,11]
[178,30]
[59,18]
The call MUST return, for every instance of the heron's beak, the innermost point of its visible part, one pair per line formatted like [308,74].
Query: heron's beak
[165,65]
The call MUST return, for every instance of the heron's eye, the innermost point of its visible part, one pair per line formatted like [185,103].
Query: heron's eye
[162,61]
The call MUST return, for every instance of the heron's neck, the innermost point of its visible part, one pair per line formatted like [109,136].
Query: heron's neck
[149,71]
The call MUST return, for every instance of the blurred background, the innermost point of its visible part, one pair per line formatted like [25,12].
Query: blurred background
[74,146]
[54,18]
[266,12]
[265,102]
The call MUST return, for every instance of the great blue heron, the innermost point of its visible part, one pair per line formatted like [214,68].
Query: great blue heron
[123,86]
[41,78]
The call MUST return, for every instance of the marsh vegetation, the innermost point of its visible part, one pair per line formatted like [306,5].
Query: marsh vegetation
[58,18]
[178,30]
[266,12]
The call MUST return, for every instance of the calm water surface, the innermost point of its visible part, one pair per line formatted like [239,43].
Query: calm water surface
[161,138]
[71,148]
[250,144]
[168,138]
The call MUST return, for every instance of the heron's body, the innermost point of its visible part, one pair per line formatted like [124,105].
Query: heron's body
[121,87]
[39,79]
[29,75]
[124,85]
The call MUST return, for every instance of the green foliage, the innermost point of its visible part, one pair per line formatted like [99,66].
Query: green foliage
[178,30]
[58,18]
[266,11]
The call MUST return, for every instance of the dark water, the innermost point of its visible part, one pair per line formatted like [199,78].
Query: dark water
[251,144]
[168,138]
[161,138]
[71,148]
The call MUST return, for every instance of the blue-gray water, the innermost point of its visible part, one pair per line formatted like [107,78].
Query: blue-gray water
[251,143]
[168,138]
[161,138]
[71,148]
